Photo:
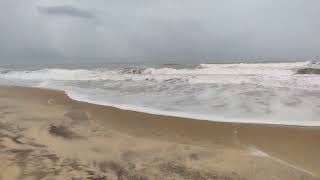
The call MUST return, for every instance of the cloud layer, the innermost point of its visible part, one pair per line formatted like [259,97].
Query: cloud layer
[66,11]
[150,30]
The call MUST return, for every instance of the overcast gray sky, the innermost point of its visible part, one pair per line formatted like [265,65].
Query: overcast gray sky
[89,30]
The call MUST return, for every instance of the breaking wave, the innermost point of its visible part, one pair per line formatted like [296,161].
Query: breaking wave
[202,69]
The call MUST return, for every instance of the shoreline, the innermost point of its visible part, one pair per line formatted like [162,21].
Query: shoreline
[166,114]
[186,115]
[282,144]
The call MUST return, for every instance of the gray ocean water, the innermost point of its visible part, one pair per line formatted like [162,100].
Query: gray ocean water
[271,93]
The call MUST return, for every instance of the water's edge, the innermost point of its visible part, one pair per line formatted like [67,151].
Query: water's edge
[178,115]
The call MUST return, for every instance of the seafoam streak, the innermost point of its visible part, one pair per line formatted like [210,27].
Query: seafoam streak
[254,151]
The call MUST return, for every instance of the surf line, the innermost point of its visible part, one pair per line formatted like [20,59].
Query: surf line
[257,152]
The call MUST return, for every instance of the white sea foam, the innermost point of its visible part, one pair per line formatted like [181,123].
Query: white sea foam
[280,74]
[204,69]
[239,69]
[193,115]
[257,152]
[59,74]
[270,93]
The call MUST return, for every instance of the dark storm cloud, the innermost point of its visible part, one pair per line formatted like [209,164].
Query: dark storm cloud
[67,11]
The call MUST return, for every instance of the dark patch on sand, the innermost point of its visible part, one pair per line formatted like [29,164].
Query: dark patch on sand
[120,171]
[194,156]
[54,158]
[74,164]
[62,131]
[16,139]
[110,165]
[21,153]
[97,177]
[37,145]
[6,126]
[78,115]
[189,173]
[128,156]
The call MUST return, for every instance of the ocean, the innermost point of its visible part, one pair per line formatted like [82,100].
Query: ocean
[268,93]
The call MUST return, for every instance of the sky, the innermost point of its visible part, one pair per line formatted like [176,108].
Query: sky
[57,31]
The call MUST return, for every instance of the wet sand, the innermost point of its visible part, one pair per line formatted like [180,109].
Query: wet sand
[46,135]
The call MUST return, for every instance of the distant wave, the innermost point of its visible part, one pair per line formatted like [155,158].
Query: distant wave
[60,74]
[242,68]
[274,74]
[202,69]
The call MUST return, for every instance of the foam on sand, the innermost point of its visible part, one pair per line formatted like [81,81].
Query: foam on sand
[257,152]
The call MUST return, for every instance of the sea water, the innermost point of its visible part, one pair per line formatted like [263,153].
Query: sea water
[269,93]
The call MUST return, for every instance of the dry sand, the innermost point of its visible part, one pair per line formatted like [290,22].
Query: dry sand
[46,135]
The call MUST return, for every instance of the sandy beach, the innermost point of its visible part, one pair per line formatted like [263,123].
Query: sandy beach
[46,135]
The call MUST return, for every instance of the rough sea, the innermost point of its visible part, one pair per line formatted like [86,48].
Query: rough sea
[269,93]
